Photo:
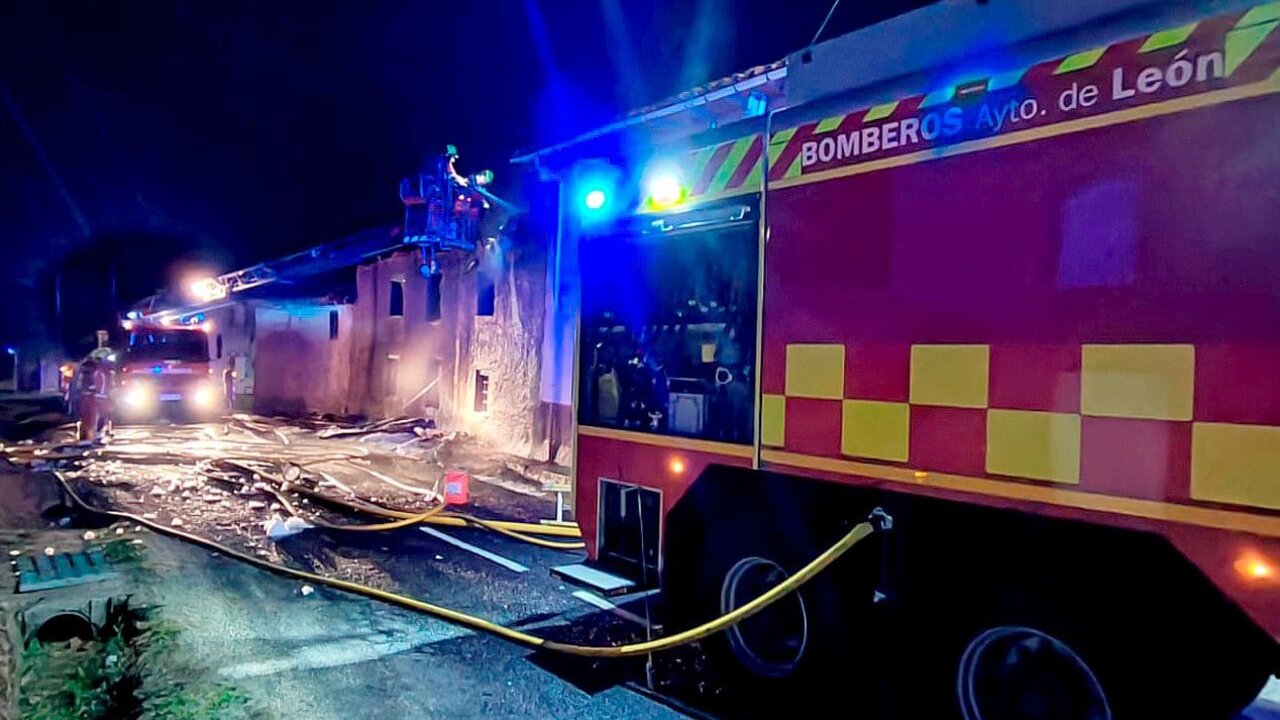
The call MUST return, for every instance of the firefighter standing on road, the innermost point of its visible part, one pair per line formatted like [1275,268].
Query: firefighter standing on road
[94,405]
[229,383]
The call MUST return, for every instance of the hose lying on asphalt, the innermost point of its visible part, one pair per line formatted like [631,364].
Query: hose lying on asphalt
[435,516]
[524,532]
[859,533]
[404,522]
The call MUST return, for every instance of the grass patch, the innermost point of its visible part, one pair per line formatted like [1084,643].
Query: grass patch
[122,551]
[137,672]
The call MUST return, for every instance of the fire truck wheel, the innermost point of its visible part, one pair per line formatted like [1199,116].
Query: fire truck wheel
[772,643]
[737,533]
[1022,673]
[799,647]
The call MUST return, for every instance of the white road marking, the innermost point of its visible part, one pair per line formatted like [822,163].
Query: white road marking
[349,651]
[592,599]
[511,565]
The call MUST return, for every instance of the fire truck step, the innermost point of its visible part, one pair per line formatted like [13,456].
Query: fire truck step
[593,578]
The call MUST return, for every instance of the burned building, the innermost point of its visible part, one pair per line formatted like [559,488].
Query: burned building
[387,323]
[462,344]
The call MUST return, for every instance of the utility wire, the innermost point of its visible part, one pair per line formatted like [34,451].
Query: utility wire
[825,20]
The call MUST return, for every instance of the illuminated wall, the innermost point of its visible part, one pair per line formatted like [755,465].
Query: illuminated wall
[300,367]
[396,359]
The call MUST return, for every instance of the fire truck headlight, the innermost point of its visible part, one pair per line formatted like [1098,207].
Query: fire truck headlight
[204,396]
[208,396]
[139,396]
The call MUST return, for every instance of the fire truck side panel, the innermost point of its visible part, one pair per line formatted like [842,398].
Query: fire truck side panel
[1081,322]
[668,465]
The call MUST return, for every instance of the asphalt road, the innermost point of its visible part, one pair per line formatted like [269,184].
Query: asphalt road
[331,655]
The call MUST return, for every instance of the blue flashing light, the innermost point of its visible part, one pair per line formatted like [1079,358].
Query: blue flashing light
[11,350]
[157,369]
[757,104]
[596,192]
[595,199]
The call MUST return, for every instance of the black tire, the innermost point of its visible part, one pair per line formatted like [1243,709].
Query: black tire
[1113,660]
[1024,673]
[811,650]
[778,643]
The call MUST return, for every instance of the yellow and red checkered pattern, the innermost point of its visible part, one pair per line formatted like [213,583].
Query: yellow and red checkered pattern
[1178,422]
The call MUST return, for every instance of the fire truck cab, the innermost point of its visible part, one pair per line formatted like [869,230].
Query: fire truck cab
[1004,272]
[164,371]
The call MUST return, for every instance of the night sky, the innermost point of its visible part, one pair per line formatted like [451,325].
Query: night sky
[220,133]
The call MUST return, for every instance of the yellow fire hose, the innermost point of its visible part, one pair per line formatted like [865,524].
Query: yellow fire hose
[519,531]
[501,528]
[817,565]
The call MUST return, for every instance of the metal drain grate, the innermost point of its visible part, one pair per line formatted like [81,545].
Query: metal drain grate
[42,572]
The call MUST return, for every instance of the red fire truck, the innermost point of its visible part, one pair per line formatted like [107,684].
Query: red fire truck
[1009,272]
[165,371]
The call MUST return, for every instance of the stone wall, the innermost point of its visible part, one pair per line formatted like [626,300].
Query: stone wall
[396,358]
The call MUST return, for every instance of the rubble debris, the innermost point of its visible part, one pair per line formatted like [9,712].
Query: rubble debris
[279,529]
[226,485]
[390,425]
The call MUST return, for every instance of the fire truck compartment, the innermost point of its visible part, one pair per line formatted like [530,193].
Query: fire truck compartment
[891,622]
